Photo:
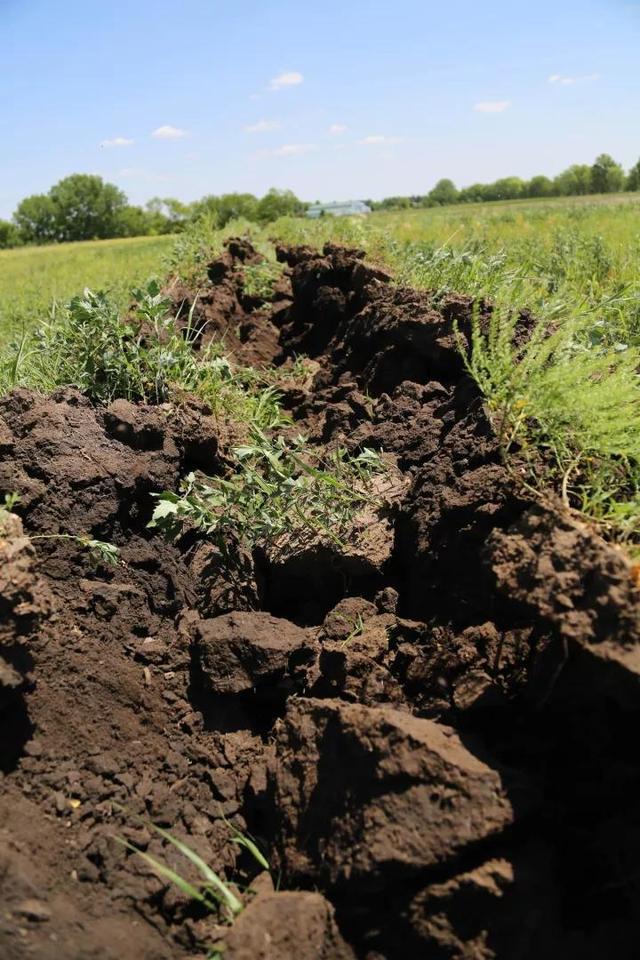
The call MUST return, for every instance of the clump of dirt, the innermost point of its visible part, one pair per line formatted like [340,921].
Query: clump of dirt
[434,747]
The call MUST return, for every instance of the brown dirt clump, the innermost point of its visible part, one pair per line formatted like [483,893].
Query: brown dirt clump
[434,743]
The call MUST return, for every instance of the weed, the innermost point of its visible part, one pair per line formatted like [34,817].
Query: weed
[572,404]
[142,356]
[100,551]
[259,279]
[212,892]
[10,501]
[278,489]
[357,627]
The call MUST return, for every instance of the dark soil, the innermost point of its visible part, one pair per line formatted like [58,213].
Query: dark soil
[436,750]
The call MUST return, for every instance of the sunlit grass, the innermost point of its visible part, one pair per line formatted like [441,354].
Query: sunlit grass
[32,277]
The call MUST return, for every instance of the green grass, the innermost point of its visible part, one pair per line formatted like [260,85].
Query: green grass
[32,277]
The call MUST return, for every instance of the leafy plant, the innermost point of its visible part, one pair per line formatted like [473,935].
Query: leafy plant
[278,488]
[99,550]
[141,356]
[570,406]
[258,279]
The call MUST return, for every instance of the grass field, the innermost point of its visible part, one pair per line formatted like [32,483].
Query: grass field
[32,277]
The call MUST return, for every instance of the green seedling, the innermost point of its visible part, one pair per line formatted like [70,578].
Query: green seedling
[99,550]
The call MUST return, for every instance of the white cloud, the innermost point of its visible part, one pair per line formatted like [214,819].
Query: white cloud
[294,149]
[286,80]
[379,138]
[561,80]
[492,106]
[169,133]
[117,142]
[337,128]
[262,126]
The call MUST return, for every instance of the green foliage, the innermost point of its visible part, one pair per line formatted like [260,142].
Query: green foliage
[143,355]
[574,264]
[276,204]
[259,278]
[9,235]
[607,176]
[574,400]
[445,191]
[221,210]
[99,550]
[36,219]
[86,208]
[10,501]
[32,277]
[575,181]
[539,186]
[80,207]
[211,892]
[279,489]
[633,179]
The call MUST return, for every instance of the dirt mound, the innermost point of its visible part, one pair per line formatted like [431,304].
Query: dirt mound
[435,747]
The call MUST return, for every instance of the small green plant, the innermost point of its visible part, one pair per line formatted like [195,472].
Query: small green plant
[569,406]
[259,279]
[357,628]
[11,500]
[99,550]
[212,892]
[278,489]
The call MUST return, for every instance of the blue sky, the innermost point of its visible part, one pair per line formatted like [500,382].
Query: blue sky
[344,98]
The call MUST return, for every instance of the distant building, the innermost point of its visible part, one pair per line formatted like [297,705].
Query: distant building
[346,208]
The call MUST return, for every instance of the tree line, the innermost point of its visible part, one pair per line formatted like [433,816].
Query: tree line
[604,175]
[85,207]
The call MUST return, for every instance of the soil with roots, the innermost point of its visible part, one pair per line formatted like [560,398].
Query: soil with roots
[436,749]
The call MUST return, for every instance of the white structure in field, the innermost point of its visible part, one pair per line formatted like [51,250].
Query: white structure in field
[345,208]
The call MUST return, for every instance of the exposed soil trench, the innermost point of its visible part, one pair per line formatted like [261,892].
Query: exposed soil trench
[436,747]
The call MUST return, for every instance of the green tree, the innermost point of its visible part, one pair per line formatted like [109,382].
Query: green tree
[278,203]
[86,208]
[633,178]
[607,176]
[476,193]
[135,222]
[539,186]
[445,191]
[36,219]
[508,188]
[9,235]
[575,181]
[228,206]
[390,203]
